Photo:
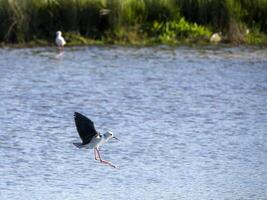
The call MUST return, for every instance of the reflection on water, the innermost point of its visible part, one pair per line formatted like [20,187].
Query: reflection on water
[192,123]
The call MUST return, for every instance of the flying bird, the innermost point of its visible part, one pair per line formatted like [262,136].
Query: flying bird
[60,41]
[91,139]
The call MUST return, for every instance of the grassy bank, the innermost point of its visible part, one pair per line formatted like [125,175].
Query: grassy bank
[132,21]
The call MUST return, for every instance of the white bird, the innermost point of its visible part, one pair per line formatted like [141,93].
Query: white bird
[91,139]
[60,41]
[215,38]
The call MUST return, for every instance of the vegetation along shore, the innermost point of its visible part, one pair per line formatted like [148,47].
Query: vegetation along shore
[138,22]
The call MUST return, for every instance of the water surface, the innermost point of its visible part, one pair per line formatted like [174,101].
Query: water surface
[192,123]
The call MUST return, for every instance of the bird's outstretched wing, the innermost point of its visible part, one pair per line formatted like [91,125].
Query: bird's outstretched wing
[85,127]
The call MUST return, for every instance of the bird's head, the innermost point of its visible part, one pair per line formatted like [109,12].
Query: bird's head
[110,135]
[58,33]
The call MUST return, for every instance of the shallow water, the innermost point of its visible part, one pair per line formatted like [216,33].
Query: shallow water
[192,123]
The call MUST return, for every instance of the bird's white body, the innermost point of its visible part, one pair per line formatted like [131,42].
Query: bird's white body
[97,141]
[60,41]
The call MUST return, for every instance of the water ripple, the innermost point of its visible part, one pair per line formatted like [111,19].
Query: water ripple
[192,122]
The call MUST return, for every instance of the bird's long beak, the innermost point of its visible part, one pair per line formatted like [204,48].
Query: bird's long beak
[116,138]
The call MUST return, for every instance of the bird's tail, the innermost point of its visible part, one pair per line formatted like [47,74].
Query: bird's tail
[79,145]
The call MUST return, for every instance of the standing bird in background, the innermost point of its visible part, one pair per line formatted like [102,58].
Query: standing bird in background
[91,139]
[60,41]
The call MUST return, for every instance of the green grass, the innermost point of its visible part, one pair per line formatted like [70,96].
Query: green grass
[132,21]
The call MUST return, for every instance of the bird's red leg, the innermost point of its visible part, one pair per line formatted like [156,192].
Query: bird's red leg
[95,154]
[104,161]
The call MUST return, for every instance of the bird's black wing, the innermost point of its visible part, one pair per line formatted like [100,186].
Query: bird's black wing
[85,127]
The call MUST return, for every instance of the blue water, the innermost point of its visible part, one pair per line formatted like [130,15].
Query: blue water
[192,123]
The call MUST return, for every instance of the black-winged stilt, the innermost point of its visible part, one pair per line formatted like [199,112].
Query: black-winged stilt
[91,139]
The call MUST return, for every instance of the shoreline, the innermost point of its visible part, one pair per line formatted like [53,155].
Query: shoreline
[137,43]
